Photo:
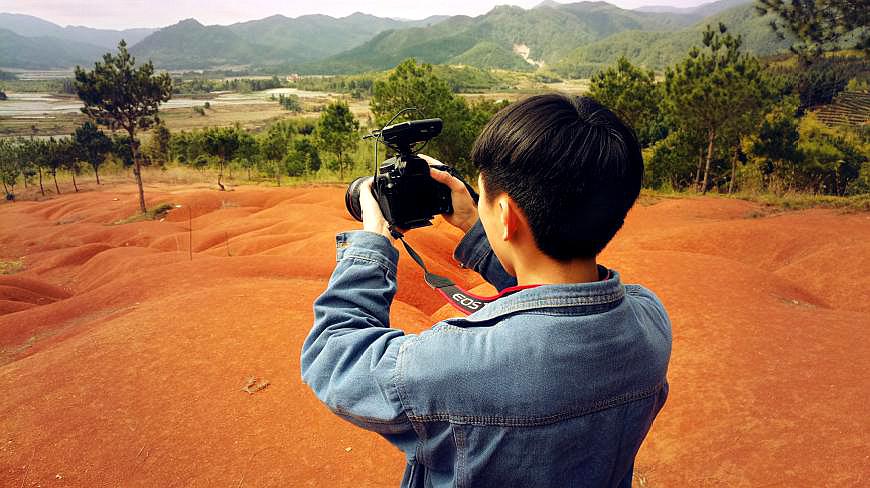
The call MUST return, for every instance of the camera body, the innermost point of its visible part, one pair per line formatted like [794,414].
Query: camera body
[407,196]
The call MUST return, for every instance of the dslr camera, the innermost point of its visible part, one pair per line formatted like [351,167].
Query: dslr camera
[407,195]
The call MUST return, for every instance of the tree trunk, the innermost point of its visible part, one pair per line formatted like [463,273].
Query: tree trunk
[54,174]
[249,174]
[340,168]
[41,188]
[733,173]
[220,176]
[698,171]
[710,137]
[75,185]
[97,173]
[137,170]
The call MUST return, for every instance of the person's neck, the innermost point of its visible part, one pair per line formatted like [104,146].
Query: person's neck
[540,269]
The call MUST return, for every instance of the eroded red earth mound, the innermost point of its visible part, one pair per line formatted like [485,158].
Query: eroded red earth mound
[128,351]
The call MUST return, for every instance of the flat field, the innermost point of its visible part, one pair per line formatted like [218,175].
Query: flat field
[125,349]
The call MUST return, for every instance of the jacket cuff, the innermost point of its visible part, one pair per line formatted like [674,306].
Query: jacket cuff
[367,246]
[473,247]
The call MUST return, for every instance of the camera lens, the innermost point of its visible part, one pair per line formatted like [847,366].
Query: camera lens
[351,198]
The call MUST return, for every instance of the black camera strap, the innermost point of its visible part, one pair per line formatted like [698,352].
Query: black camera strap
[462,300]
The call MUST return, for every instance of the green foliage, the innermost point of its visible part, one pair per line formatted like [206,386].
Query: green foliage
[487,41]
[222,143]
[337,132]
[659,48]
[119,94]
[818,81]
[672,164]
[248,153]
[158,148]
[94,145]
[202,85]
[122,149]
[307,152]
[774,148]
[62,154]
[290,102]
[820,24]
[64,86]
[462,79]
[716,92]
[832,159]
[632,94]
[413,85]
[488,54]
[358,86]
[10,166]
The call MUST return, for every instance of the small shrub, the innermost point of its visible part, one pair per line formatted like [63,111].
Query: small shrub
[155,213]
[11,267]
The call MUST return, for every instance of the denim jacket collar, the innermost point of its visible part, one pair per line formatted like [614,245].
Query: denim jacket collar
[598,296]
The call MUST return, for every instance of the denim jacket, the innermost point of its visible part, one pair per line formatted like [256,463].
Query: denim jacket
[552,386]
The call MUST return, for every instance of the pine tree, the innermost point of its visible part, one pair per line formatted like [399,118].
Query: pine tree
[715,90]
[338,132]
[120,95]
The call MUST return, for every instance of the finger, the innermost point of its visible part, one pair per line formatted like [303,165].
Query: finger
[446,178]
[432,161]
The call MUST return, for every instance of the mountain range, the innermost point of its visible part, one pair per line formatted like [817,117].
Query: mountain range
[569,38]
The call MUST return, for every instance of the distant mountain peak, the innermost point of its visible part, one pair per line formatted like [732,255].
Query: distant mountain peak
[548,3]
[191,22]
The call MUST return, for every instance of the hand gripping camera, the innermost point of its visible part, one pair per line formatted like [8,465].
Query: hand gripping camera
[407,195]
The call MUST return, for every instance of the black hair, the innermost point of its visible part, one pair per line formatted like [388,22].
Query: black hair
[569,163]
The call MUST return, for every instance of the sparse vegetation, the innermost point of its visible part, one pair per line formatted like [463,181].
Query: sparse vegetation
[157,212]
[8,267]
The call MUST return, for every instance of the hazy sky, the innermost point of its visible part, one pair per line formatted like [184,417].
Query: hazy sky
[119,14]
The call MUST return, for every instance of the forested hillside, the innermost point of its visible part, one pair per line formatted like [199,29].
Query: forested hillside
[30,26]
[550,31]
[655,50]
[44,52]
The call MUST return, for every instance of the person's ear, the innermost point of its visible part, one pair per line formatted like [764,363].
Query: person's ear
[507,212]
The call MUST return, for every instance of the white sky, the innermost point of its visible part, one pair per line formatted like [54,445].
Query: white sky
[122,14]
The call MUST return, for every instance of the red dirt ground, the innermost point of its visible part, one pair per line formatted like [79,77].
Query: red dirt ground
[122,361]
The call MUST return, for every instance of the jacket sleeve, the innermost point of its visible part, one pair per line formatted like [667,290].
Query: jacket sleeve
[474,252]
[349,357]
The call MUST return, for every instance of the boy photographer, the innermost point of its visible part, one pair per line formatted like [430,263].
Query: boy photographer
[554,384]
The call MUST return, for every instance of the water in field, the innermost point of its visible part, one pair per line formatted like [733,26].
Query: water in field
[46,106]
[36,105]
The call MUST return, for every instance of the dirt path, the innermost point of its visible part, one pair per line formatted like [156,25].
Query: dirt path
[123,361]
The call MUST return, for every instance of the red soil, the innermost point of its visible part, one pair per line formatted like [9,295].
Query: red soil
[122,361]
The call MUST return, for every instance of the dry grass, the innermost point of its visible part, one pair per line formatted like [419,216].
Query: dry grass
[158,212]
[11,267]
[801,201]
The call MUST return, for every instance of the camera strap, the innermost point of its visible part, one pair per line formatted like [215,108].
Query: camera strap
[462,300]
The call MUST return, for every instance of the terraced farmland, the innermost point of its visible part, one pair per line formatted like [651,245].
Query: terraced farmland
[849,108]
